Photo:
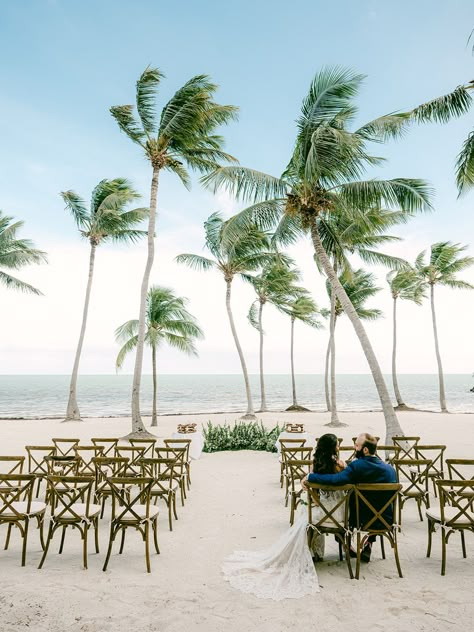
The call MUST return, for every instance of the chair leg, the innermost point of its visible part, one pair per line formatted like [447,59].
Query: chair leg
[174,507]
[463,543]
[382,546]
[292,509]
[41,532]
[25,540]
[443,552]
[96,534]
[418,502]
[430,537]
[155,535]
[84,546]
[147,547]
[358,556]
[169,503]
[102,510]
[347,547]
[63,535]
[49,537]
[395,553]
[109,549]
[122,541]
[7,539]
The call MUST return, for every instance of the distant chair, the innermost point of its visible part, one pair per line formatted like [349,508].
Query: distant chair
[435,453]
[65,447]
[37,464]
[182,443]
[60,466]
[107,467]
[10,465]
[179,467]
[165,483]
[413,475]
[108,444]
[134,454]
[296,471]
[86,455]
[390,453]
[293,454]
[288,443]
[148,444]
[406,445]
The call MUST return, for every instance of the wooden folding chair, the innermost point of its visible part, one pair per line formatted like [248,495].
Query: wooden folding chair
[296,471]
[287,443]
[323,517]
[37,464]
[165,483]
[413,475]
[65,447]
[293,454]
[148,444]
[182,443]
[406,446]
[71,507]
[108,444]
[371,517]
[17,507]
[179,467]
[134,454]
[86,455]
[455,513]
[435,453]
[133,511]
[107,467]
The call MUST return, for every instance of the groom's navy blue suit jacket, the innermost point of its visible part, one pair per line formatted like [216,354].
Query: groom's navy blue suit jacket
[366,469]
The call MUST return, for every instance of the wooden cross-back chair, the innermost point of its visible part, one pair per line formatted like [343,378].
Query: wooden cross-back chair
[413,475]
[328,517]
[182,443]
[133,511]
[37,464]
[107,467]
[304,453]
[17,507]
[86,455]
[11,465]
[455,513]
[72,507]
[288,443]
[462,470]
[134,454]
[179,467]
[148,444]
[65,447]
[165,483]
[406,446]
[388,453]
[346,453]
[435,453]
[297,469]
[107,443]
[375,506]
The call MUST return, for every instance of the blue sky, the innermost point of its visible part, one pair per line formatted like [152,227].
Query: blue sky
[65,63]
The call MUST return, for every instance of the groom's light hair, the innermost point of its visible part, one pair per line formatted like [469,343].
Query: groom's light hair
[370,442]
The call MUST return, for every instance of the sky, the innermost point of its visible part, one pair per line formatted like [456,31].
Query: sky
[65,63]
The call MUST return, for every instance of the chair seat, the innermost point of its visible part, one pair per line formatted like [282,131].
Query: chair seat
[449,514]
[79,509]
[430,474]
[140,510]
[412,492]
[36,507]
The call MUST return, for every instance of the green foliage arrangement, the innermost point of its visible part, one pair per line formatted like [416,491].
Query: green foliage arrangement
[240,436]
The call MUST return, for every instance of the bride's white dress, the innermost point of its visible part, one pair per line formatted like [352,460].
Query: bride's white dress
[285,570]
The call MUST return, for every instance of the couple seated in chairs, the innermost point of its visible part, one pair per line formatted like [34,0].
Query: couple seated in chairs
[286,569]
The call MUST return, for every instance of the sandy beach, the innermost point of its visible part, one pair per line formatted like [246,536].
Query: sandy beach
[235,503]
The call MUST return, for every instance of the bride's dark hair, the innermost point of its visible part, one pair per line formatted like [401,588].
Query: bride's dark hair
[325,456]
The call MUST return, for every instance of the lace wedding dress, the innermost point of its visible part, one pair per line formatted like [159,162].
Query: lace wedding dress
[285,570]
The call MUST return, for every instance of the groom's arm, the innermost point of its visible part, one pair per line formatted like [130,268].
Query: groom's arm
[342,478]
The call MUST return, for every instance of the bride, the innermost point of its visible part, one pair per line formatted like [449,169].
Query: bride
[286,569]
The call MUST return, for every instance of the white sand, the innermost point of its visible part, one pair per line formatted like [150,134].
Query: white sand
[235,503]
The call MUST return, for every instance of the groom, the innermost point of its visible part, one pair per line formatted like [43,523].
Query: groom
[367,467]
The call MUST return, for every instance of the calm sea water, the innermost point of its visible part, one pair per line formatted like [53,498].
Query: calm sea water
[33,396]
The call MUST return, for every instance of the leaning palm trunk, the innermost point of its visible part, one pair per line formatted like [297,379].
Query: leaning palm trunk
[138,427]
[263,400]
[72,412]
[292,360]
[326,375]
[391,422]
[335,421]
[442,395]
[250,414]
[154,421]
[396,390]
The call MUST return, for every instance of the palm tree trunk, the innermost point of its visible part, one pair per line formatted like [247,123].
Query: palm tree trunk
[250,414]
[396,390]
[154,421]
[138,428]
[442,395]
[391,422]
[335,421]
[326,374]
[72,412]
[292,348]
[263,400]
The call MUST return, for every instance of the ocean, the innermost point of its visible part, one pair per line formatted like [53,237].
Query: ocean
[37,396]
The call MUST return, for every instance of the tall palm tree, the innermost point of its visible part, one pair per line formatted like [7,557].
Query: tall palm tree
[359,286]
[183,137]
[167,321]
[15,254]
[324,177]
[304,309]
[444,264]
[405,285]
[107,219]
[275,285]
[249,252]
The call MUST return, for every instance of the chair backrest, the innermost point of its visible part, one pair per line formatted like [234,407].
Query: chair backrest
[346,453]
[11,464]
[107,443]
[297,453]
[388,453]
[67,491]
[328,515]
[109,466]
[460,469]
[375,506]
[406,445]
[36,458]
[125,506]
[62,465]
[414,475]
[162,471]
[133,453]
[86,454]
[15,488]
[297,469]
[179,443]
[435,453]
[148,444]
[289,443]
[456,502]
[65,447]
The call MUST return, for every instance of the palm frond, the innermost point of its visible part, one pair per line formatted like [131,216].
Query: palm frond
[77,206]
[195,262]
[127,123]
[127,348]
[444,108]
[248,185]
[146,97]
[465,165]
[13,283]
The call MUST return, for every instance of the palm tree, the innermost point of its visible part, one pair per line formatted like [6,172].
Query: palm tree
[442,268]
[183,137]
[404,284]
[248,253]
[359,286]
[15,254]
[167,321]
[304,309]
[107,219]
[323,178]
[275,286]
